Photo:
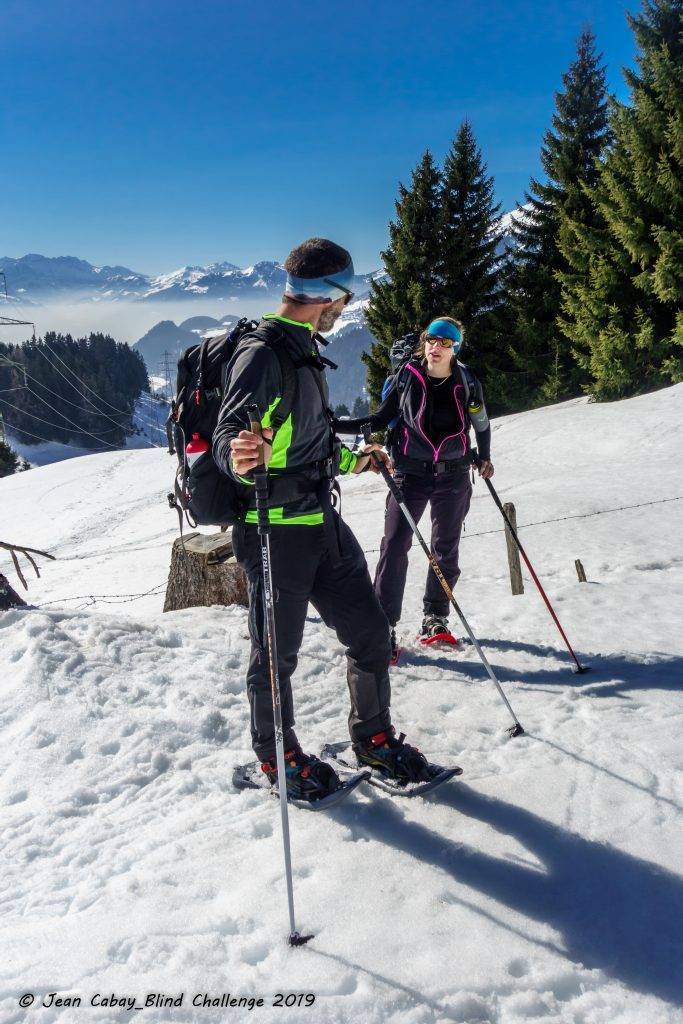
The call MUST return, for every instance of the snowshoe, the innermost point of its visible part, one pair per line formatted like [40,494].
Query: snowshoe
[395,766]
[310,782]
[435,631]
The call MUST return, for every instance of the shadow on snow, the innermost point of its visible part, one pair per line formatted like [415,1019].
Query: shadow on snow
[609,676]
[613,911]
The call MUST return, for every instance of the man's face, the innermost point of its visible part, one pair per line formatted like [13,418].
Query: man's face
[330,315]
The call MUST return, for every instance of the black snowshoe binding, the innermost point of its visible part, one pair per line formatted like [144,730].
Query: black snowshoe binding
[307,777]
[435,631]
[432,625]
[395,649]
[393,759]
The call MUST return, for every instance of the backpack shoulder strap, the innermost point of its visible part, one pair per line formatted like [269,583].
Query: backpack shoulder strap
[469,381]
[272,335]
[403,382]
[289,386]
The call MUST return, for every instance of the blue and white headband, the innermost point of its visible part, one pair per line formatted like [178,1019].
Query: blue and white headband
[445,329]
[321,290]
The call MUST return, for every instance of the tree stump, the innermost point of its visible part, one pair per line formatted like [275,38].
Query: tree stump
[204,572]
[8,596]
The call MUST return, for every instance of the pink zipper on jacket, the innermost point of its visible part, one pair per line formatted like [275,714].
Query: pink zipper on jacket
[423,382]
[460,433]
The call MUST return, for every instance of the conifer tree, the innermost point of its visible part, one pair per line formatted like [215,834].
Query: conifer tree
[408,299]
[570,150]
[470,240]
[9,460]
[622,310]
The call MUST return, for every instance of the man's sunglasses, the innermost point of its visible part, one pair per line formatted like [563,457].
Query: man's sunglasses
[432,339]
[348,294]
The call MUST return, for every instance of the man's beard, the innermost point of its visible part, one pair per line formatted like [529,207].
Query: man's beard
[328,319]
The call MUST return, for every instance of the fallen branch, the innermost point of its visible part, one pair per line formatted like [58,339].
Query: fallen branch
[27,553]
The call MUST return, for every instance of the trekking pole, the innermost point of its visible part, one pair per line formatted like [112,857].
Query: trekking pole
[516,729]
[578,667]
[261,484]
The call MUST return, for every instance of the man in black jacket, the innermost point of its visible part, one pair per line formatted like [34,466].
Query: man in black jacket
[315,556]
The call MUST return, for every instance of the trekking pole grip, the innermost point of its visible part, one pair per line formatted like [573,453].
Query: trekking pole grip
[366,430]
[477,461]
[260,474]
[255,428]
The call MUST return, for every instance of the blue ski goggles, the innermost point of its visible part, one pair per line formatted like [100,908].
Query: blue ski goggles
[445,329]
[321,290]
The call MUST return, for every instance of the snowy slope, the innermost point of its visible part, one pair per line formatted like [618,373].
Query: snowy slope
[542,886]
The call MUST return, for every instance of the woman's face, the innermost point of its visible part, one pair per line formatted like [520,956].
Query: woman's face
[438,358]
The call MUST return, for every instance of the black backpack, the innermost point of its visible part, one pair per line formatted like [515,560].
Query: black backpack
[202,493]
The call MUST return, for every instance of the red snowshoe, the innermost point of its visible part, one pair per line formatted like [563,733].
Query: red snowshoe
[435,631]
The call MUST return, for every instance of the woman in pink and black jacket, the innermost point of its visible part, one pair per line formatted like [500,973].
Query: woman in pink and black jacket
[431,403]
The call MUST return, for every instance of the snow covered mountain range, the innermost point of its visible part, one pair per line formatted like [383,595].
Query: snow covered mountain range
[544,885]
[349,338]
[36,278]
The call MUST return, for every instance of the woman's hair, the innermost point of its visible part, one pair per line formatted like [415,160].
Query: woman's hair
[420,350]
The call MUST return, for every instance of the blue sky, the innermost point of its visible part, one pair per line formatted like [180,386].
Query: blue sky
[161,133]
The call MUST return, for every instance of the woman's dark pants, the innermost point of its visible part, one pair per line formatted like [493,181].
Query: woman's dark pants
[448,495]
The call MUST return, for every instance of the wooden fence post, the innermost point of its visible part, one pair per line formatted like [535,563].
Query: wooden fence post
[516,582]
[580,571]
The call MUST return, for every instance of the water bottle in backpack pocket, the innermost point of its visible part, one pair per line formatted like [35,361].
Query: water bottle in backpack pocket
[211,496]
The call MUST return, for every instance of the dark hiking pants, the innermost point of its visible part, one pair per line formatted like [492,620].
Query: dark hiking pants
[448,495]
[341,591]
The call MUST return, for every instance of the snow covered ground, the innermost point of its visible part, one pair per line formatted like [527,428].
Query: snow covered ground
[543,885]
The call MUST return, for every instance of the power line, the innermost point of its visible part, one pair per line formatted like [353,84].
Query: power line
[85,397]
[72,422]
[51,440]
[90,412]
[56,426]
[72,385]
[94,412]
[87,386]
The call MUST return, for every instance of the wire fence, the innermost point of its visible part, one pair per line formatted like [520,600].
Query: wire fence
[561,519]
[105,598]
[92,599]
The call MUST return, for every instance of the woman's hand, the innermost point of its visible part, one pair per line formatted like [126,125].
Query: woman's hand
[364,457]
[244,450]
[485,469]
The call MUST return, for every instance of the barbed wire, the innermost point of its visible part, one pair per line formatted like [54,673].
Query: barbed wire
[106,598]
[562,519]
[130,598]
